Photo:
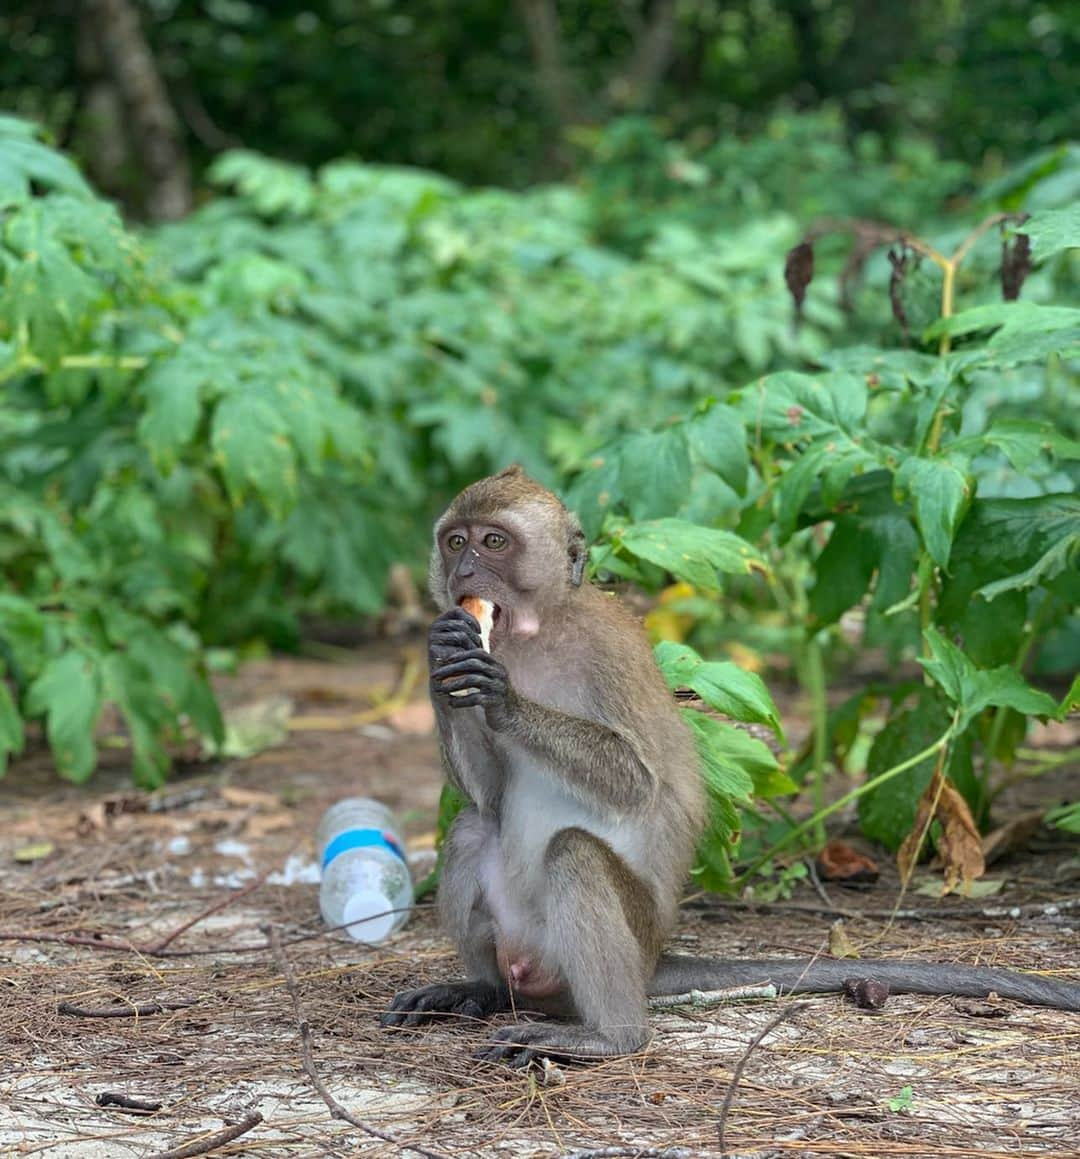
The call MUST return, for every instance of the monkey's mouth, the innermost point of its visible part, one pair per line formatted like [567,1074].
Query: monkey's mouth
[496,611]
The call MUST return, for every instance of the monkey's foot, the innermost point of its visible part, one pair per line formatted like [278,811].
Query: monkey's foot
[456,999]
[519,1045]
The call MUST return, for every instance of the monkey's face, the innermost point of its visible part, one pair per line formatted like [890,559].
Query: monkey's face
[509,541]
[480,558]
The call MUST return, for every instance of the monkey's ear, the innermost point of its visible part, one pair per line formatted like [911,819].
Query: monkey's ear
[579,553]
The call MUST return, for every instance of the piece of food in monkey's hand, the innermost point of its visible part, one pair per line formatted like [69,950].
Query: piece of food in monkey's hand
[484,611]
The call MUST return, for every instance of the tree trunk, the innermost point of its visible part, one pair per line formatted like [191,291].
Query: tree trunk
[541,20]
[653,49]
[153,126]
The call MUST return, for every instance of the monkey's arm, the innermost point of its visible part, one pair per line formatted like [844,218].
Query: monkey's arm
[676,974]
[593,759]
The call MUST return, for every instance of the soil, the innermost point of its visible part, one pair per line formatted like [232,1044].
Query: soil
[98,885]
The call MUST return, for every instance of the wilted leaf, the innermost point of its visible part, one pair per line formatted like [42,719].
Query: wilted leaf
[958,843]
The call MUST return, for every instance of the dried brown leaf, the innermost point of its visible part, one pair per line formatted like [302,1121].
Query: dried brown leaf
[959,845]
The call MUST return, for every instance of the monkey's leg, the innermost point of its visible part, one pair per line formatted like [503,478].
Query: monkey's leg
[467,918]
[597,919]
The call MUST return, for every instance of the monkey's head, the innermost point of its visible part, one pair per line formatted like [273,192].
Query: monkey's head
[510,541]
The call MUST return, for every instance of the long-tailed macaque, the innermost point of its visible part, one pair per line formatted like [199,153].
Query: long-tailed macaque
[561,878]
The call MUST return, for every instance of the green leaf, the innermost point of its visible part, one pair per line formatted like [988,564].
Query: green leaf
[795,486]
[654,472]
[12,737]
[251,444]
[843,571]
[132,687]
[724,775]
[1066,817]
[1052,563]
[1023,441]
[887,812]
[22,634]
[1052,231]
[718,437]
[69,694]
[689,551]
[25,160]
[940,493]
[1025,331]
[722,685]
[790,408]
[273,187]
[173,409]
[972,689]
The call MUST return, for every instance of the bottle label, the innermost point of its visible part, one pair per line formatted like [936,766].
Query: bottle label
[361,839]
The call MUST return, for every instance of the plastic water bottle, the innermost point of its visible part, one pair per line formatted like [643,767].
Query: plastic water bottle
[364,871]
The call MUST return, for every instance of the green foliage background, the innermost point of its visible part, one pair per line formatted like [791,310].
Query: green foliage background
[215,428]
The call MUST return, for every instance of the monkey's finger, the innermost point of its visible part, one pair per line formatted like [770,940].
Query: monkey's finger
[458,615]
[478,682]
[457,638]
[472,662]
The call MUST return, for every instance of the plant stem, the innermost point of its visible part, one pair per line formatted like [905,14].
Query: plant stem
[847,798]
[814,682]
[997,725]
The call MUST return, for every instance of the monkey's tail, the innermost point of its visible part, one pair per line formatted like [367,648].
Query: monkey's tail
[678,974]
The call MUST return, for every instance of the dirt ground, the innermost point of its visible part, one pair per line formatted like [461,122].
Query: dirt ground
[161,905]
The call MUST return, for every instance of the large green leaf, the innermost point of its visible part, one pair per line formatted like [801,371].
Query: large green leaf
[1053,230]
[251,443]
[719,439]
[654,472]
[972,689]
[690,552]
[790,408]
[69,693]
[940,493]
[724,773]
[722,685]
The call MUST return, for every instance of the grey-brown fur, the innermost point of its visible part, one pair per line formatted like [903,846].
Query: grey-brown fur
[561,877]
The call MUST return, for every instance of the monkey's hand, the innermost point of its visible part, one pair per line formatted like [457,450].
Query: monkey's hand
[454,633]
[464,675]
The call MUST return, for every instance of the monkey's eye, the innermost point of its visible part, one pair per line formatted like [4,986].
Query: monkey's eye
[494,541]
[455,542]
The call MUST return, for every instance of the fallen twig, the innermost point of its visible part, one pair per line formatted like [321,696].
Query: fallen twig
[337,1111]
[740,1066]
[713,997]
[126,1103]
[207,1143]
[217,907]
[124,1010]
[634,1153]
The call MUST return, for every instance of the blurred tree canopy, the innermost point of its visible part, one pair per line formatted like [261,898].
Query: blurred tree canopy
[511,93]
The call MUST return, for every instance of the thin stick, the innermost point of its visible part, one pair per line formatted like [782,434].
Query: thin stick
[217,907]
[124,1010]
[207,1143]
[634,1153]
[740,1066]
[337,1111]
[704,998]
